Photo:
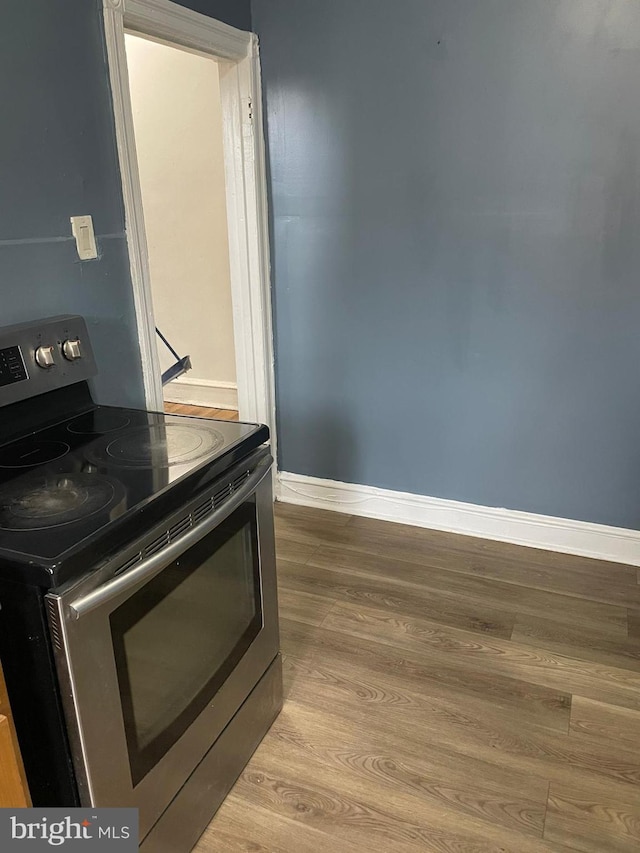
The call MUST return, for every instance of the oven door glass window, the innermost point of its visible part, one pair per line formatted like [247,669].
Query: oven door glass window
[180,636]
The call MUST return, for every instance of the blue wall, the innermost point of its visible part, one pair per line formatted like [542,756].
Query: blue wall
[234,12]
[456,210]
[58,158]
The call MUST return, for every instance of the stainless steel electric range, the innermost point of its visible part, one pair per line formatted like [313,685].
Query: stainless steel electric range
[138,608]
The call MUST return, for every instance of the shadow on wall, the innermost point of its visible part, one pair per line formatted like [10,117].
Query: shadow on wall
[331,443]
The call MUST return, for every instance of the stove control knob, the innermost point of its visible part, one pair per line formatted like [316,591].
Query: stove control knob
[71,350]
[44,357]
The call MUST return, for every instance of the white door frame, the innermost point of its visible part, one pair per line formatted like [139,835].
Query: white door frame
[246,189]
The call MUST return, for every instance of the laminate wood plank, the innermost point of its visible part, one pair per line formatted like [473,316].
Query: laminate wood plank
[303,517]
[493,655]
[311,528]
[488,735]
[384,761]
[591,823]
[588,579]
[611,723]
[297,552]
[414,687]
[633,624]
[304,606]
[438,605]
[381,817]
[606,618]
[584,641]
[244,827]
[326,651]
[338,701]
[298,639]
[615,590]
[540,756]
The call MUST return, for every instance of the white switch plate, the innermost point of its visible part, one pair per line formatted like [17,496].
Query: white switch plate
[82,230]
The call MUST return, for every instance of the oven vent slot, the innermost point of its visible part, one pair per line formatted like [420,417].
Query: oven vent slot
[240,480]
[54,625]
[202,510]
[157,544]
[221,496]
[179,528]
[130,562]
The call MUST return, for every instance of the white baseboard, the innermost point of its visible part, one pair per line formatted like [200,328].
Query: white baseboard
[202,392]
[505,525]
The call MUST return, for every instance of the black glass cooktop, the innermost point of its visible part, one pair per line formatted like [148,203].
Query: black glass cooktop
[70,482]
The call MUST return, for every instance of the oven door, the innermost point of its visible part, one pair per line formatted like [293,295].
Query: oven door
[154,661]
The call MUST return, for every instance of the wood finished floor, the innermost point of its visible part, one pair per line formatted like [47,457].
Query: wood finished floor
[200,412]
[443,694]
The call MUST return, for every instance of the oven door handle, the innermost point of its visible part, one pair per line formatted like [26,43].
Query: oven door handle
[153,565]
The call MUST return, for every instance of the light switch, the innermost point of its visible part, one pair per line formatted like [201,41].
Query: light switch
[82,230]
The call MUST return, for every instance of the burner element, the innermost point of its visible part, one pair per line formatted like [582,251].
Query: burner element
[31,452]
[98,422]
[41,502]
[162,445]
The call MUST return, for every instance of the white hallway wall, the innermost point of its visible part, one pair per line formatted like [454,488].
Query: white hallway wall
[178,124]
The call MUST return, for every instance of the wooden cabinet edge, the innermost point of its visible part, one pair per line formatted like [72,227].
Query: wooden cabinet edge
[14,792]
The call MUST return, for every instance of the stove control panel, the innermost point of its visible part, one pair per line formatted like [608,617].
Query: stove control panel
[42,356]
[12,367]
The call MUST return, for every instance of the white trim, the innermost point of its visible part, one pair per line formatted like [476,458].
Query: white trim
[522,528]
[202,392]
[259,219]
[134,219]
[173,24]
[246,184]
[245,180]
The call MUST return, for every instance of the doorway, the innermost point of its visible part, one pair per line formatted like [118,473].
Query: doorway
[236,58]
[177,118]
